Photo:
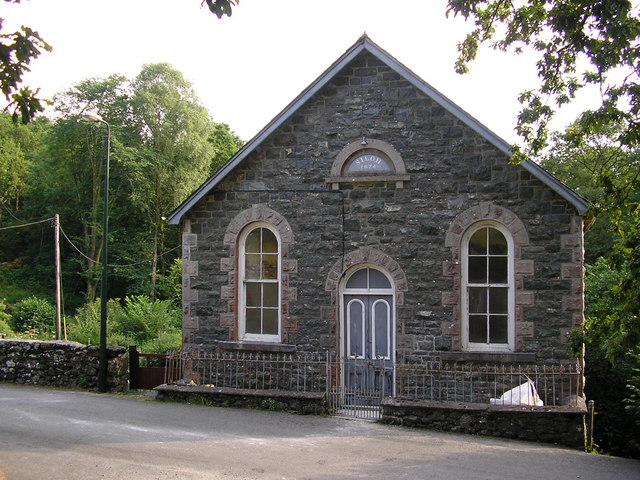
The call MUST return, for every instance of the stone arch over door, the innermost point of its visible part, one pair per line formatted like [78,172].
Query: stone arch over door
[365,256]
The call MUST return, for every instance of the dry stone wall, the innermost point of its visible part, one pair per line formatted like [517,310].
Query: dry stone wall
[60,364]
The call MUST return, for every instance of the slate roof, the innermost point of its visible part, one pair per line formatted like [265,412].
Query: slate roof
[364,43]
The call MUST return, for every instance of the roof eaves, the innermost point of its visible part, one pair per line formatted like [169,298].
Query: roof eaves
[579,202]
[437,96]
[536,170]
[365,43]
[176,216]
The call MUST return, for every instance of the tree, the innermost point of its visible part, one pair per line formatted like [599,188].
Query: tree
[584,168]
[18,144]
[76,153]
[603,34]
[221,7]
[163,146]
[19,48]
[607,174]
[176,149]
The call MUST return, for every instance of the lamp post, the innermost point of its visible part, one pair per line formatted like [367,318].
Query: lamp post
[102,352]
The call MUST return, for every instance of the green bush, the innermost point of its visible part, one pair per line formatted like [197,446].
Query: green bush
[84,327]
[164,342]
[610,381]
[5,318]
[152,325]
[169,286]
[146,319]
[33,314]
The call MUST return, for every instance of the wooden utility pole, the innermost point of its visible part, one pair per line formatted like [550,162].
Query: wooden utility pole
[56,229]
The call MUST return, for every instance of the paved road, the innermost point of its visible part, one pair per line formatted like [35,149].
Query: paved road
[54,434]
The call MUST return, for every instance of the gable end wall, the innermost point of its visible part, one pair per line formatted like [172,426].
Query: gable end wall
[451,170]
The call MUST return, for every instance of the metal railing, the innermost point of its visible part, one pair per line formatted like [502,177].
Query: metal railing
[254,371]
[554,385]
[361,384]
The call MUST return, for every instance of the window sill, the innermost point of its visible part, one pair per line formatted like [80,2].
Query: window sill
[257,347]
[488,357]
[383,178]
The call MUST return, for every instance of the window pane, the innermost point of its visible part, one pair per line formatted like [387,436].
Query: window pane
[253,294]
[498,270]
[478,242]
[477,270]
[270,322]
[269,241]
[252,267]
[477,300]
[381,313]
[270,295]
[377,279]
[269,267]
[358,279]
[498,300]
[498,329]
[355,329]
[252,243]
[253,320]
[497,243]
[478,328]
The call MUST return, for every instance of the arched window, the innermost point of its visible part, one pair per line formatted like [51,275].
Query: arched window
[368,161]
[259,284]
[488,290]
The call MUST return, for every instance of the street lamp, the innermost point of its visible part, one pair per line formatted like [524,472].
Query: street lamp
[102,352]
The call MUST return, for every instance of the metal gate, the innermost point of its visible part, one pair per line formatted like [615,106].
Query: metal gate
[357,387]
[148,370]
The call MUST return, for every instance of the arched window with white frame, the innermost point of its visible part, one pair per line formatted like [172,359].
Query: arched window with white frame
[259,283]
[488,288]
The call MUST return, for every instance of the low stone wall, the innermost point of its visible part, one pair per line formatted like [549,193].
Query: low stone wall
[305,403]
[561,425]
[60,364]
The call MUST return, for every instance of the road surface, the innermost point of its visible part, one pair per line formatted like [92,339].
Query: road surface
[57,434]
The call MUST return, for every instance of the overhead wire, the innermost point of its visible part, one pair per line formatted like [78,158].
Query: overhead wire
[114,265]
[27,224]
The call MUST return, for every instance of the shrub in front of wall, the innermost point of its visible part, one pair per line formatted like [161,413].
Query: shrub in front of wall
[33,314]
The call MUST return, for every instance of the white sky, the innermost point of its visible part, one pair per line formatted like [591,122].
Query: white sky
[247,68]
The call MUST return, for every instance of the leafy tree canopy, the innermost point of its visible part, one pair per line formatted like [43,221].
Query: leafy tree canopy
[600,35]
[19,48]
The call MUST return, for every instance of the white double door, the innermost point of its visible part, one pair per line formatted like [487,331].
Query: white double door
[368,333]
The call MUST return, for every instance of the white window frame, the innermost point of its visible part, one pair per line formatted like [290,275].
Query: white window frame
[351,354]
[254,337]
[374,345]
[464,301]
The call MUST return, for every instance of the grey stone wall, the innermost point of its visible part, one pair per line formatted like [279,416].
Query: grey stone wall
[60,364]
[563,426]
[303,403]
[451,170]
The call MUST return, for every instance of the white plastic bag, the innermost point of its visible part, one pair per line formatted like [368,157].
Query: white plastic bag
[524,394]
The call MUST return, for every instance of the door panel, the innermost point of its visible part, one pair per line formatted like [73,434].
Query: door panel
[356,329]
[368,369]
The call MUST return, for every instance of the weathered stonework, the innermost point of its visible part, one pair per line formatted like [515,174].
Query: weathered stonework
[60,364]
[563,426]
[452,178]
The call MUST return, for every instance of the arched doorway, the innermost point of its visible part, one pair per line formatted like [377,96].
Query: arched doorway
[367,343]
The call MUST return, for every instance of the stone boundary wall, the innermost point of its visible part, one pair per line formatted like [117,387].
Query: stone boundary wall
[559,425]
[60,364]
[304,403]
